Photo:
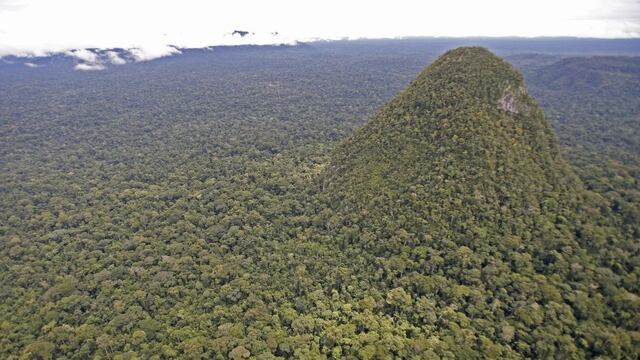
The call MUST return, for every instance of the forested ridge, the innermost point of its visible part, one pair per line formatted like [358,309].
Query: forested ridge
[227,211]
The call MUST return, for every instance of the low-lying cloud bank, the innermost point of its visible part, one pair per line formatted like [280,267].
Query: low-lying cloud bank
[94,59]
[98,59]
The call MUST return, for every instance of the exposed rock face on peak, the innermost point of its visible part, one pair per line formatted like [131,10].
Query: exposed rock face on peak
[510,101]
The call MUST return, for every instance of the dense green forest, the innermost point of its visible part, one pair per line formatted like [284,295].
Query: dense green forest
[230,205]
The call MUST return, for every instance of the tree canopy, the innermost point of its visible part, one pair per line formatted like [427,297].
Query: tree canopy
[230,205]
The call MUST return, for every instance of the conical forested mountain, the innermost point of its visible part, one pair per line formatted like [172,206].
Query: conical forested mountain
[460,195]
[463,135]
[463,149]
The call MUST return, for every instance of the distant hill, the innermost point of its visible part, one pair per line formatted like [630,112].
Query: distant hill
[594,102]
[616,76]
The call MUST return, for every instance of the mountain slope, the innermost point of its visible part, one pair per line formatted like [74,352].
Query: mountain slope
[466,133]
[461,199]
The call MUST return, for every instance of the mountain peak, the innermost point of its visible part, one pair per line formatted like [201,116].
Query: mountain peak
[469,76]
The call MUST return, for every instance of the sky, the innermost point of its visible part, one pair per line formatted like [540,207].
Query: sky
[157,28]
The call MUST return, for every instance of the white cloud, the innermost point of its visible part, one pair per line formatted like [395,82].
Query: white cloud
[89,67]
[153,26]
[150,52]
[114,58]
[89,60]
[84,55]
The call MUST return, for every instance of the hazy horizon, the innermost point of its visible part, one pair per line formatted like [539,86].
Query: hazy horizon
[155,29]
